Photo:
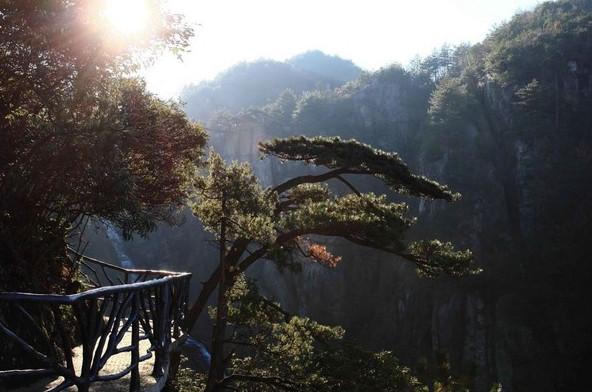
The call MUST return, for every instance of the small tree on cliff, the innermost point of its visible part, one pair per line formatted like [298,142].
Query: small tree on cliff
[253,223]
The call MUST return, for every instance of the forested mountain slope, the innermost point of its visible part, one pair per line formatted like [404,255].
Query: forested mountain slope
[331,67]
[258,83]
[506,122]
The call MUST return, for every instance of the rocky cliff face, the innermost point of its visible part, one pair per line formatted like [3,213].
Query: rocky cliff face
[485,325]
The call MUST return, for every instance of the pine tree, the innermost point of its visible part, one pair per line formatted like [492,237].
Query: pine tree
[251,222]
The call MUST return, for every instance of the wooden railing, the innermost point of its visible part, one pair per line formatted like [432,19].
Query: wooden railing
[148,304]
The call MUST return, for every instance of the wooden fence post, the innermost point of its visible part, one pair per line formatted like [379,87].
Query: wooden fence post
[135,351]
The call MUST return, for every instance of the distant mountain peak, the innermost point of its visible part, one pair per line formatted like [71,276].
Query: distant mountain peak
[260,82]
[333,67]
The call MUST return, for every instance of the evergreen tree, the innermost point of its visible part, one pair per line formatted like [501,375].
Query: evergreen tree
[251,222]
[276,351]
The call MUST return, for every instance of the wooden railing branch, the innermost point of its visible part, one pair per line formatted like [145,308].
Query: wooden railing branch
[148,304]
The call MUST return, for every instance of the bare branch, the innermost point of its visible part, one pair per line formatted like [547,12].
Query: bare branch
[312,179]
[349,185]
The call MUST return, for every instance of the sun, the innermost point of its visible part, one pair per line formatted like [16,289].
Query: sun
[128,17]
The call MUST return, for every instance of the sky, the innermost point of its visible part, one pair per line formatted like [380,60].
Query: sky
[371,33]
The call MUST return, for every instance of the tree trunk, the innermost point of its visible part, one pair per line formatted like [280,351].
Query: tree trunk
[556,85]
[218,365]
[216,373]
[195,312]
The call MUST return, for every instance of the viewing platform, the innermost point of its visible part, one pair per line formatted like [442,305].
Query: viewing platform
[117,336]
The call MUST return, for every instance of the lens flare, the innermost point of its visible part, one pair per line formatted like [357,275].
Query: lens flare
[128,17]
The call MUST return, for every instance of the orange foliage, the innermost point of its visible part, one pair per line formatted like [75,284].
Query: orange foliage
[320,254]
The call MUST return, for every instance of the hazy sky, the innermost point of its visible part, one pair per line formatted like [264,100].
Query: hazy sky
[371,33]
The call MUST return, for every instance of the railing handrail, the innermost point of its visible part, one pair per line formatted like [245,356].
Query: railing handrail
[92,293]
[122,269]
[154,301]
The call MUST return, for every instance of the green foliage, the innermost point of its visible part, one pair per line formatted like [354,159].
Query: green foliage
[279,219]
[233,194]
[187,380]
[252,223]
[80,140]
[305,193]
[533,109]
[331,67]
[452,104]
[249,85]
[435,257]
[144,153]
[279,113]
[272,85]
[353,157]
[537,44]
[275,351]
[366,219]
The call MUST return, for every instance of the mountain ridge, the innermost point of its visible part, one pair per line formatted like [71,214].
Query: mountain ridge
[260,82]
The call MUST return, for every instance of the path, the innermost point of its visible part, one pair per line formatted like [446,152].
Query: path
[115,364]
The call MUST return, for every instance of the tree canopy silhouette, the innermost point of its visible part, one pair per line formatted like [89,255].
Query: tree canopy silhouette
[79,138]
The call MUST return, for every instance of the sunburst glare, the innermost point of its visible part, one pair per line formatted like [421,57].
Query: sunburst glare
[129,17]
